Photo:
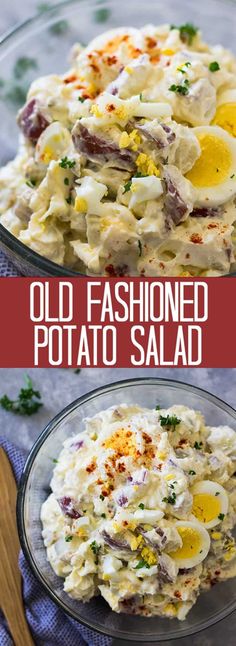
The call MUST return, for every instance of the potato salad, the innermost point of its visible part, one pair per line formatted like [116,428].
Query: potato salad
[142,509]
[127,163]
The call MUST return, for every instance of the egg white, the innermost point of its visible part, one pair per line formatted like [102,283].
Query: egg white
[210,196]
[216,490]
[204,545]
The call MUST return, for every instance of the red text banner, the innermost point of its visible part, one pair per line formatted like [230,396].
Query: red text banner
[121,322]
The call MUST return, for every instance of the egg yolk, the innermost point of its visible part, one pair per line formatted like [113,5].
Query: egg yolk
[205,507]
[225,117]
[122,442]
[214,164]
[191,546]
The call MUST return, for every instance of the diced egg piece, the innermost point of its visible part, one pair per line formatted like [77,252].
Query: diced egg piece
[150,516]
[89,195]
[145,188]
[53,143]
[225,115]
[210,500]
[195,544]
[213,174]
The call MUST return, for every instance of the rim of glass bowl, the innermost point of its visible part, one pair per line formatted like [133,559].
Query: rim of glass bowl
[52,425]
[11,243]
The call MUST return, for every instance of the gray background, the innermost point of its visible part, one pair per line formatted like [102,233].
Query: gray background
[59,387]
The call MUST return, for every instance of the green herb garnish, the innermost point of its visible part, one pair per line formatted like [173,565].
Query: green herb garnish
[221,516]
[141,564]
[66,181]
[68,539]
[102,497]
[127,186]
[197,445]
[81,99]
[180,89]
[141,506]
[103,515]
[170,499]
[187,32]
[77,371]
[67,163]
[54,461]
[23,65]
[102,15]
[180,69]
[16,95]
[26,402]
[169,420]
[158,407]
[192,473]
[69,199]
[59,28]
[217,493]
[31,183]
[214,66]
[140,247]
[95,549]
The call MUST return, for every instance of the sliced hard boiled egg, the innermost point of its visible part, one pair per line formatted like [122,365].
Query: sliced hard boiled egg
[225,115]
[213,174]
[210,503]
[53,143]
[195,544]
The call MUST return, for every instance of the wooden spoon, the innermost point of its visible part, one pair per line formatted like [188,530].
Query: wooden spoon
[11,601]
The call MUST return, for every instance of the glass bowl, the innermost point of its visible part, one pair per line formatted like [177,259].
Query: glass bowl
[47,39]
[34,488]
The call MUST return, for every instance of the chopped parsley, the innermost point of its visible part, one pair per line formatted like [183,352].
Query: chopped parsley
[214,66]
[27,401]
[59,28]
[169,420]
[16,95]
[180,89]
[31,183]
[103,515]
[22,65]
[141,97]
[102,497]
[141,564]
[102,15]
[221,516]
[54,461]
[140,247]
[170,499]
[197,445]
[66,181]
[192,473]
[77,371]
[68,539]
[158,407]
[95,549]
[141,506]
[232,176]
[180,69]
[217,493]
[81,99]
[187,32]
[127,186]
[67,163]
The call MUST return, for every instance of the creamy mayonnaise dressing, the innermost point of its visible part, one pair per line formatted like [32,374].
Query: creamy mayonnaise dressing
[127,163]
[141,511]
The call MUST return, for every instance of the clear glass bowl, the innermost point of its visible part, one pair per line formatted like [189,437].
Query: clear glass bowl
[34,488]
[47,40]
